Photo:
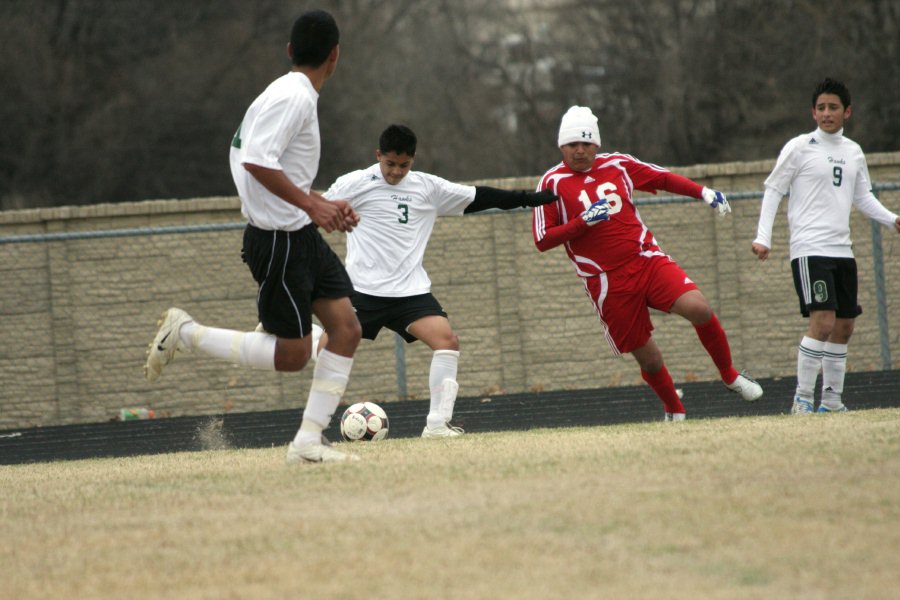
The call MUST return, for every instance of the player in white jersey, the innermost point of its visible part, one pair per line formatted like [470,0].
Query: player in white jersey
[398,208]
[825,174]
[274,159]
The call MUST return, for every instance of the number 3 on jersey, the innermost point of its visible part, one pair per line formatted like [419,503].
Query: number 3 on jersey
[604,190]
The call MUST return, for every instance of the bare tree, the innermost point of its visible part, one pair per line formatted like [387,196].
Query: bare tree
[135,99]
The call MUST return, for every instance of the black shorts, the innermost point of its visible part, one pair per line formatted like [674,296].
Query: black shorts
[826,283]
[292,268]
[375,312]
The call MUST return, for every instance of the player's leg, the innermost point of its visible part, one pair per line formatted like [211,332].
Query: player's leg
[654,372]
[834,365]
[672,290]
[809,359]
[372,312]
[332,370]
[264,252]
[179,331]
[834,353]
[316,334]
[814,283]
[315,267]
[619,302]
[693,306]
[436,333]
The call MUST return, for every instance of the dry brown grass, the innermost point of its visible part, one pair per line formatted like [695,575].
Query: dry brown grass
[769,507]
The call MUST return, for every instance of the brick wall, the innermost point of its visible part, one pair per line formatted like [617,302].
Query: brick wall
[77,315]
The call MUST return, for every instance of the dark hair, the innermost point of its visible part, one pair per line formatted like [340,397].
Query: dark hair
[832,86]
[313,37]
[399,139]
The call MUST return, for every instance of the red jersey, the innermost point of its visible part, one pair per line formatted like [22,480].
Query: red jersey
[607,244]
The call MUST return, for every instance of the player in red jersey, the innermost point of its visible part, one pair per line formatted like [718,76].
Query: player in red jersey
[619,261]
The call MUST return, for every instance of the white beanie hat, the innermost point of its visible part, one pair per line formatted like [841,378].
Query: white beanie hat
[578,125]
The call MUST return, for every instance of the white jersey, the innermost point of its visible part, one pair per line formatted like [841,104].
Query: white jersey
[385,251]
[825,175]
[280,131]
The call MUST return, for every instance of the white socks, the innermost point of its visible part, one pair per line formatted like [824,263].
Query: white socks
[249,349]
[443,386]
[316,336]
[831,358]
[809,361]
[834,366]
[330,379]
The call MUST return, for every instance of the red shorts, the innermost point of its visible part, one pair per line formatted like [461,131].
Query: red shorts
[622,297]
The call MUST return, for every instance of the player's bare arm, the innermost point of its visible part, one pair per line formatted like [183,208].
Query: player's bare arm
[761,252]
[327,215]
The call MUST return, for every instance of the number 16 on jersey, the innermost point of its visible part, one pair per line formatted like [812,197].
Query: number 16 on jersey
[604,190]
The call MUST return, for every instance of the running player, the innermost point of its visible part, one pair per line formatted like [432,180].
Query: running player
[274,159]
[825,174]
[623,269]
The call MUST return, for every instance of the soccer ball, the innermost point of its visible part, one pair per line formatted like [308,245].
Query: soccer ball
[364,422]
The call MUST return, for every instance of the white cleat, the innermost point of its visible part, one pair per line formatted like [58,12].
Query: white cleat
[442,431]
[802,406]
[316,453]
[675,416]
[746,388]
[166,343]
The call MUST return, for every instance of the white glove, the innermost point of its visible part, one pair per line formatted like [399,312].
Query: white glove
[598,211]
[717,201]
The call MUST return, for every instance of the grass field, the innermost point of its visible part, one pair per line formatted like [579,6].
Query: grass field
[762,507]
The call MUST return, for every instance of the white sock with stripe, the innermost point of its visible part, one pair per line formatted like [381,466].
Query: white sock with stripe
[834,367]
[329,381]
[443,386]
[316,336]
[249,349]
[809,361]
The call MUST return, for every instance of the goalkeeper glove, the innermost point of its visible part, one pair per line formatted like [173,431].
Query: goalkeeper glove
[717,201]
[598,211]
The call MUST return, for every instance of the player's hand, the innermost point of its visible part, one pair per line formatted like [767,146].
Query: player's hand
[539,198]
[598,211]
[351,218]
[717,201]
[761,252]
[897,224]
[327,215]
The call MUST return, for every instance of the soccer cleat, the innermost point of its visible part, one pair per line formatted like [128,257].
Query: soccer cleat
[442,431]
[801,406]
[316,453]
[166,343]
[747,388]
[674,416]
[827,409]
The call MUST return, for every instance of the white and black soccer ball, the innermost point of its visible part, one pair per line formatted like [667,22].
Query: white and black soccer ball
[364,422]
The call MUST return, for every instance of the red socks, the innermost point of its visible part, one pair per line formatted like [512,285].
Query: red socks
[713,338]
[662,384]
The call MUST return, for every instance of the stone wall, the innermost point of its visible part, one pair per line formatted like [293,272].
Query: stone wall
[77,314]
